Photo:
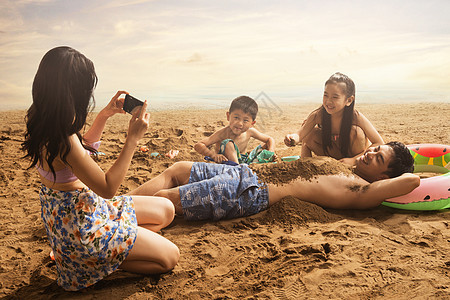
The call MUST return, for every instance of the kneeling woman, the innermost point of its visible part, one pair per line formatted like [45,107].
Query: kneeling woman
[91,231]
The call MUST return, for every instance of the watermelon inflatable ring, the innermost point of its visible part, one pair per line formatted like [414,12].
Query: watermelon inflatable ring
[434,192]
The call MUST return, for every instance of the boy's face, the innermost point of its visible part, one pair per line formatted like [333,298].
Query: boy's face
[239,121]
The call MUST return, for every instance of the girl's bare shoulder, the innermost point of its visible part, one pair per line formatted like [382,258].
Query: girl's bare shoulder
[315,116]
[358,118]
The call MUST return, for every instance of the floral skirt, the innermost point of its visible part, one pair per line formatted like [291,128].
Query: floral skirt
[90,236]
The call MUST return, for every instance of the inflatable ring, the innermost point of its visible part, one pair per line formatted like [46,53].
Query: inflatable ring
[434,192]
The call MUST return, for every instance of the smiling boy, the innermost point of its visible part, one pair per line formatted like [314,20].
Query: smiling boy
[230,142]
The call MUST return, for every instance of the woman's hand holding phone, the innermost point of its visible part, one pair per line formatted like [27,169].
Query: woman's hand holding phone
[131,103]
[139,122]
[115,105]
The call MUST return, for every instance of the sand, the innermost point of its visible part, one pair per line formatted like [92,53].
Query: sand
[294,250]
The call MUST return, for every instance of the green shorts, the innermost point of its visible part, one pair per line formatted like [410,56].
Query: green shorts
[257,155]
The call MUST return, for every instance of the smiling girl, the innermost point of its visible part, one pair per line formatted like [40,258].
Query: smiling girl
[336,129]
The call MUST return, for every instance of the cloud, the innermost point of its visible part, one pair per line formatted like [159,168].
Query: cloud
[125,27]
[163,47]
[10,18]
[122,3]
[195,58]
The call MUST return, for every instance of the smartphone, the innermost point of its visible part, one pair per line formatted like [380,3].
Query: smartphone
[131,103]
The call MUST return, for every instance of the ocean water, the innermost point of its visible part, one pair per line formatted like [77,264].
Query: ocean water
[273,100]
[263,98]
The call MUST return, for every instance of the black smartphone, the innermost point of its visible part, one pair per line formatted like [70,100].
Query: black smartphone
[131,103]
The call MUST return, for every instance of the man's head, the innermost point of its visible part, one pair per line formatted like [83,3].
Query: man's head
[385,161]
[242,114]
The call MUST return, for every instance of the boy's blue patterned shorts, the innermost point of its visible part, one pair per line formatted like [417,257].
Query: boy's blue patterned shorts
[217,191]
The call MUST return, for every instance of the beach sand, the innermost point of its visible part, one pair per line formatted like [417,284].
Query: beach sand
[294,250]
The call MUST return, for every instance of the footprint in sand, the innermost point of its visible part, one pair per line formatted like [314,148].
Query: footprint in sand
[295,289]
[217,271]
[12,240]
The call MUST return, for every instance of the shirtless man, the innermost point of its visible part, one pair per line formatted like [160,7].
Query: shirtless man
[202,191]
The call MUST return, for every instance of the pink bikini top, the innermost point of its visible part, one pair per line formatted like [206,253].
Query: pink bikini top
[64,175]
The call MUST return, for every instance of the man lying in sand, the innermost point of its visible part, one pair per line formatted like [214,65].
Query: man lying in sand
[202,191]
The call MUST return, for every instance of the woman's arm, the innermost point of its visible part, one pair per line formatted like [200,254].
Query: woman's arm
[96,130]
[107,183]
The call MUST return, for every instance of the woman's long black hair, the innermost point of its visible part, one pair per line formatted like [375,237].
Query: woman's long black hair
[62,92]
[347,118]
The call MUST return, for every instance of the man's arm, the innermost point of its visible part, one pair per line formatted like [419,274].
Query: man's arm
[344,192]
[381,190]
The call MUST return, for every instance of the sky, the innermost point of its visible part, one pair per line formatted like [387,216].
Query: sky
[205,52]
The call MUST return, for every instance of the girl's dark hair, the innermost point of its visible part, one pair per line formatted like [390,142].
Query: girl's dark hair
[62,92]
[347,118]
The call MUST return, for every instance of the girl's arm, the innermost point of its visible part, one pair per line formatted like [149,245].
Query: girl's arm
[268,140]
[370,131]
[366,129]
[107,183]
[114,107]
[295,138]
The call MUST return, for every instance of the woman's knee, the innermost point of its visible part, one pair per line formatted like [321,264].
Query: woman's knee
[167,210]
[174,197]
[172,258]
[151,254]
